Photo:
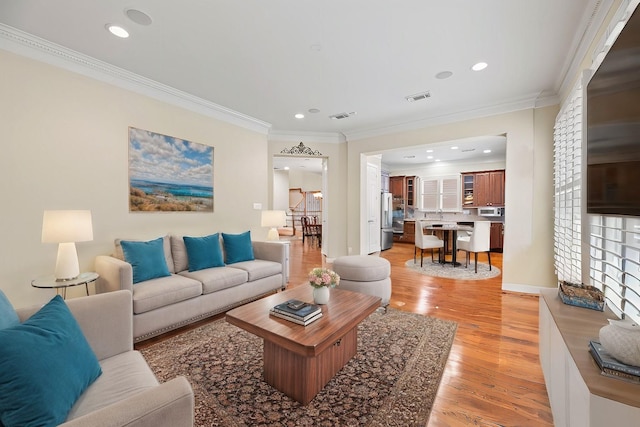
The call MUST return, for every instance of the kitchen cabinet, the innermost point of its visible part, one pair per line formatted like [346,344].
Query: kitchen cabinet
[396,187]
[440,194]
[410,183]
[384,182]
[409,235]
[483,188]
[496,236]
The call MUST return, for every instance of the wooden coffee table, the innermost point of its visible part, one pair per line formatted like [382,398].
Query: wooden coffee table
[300,360]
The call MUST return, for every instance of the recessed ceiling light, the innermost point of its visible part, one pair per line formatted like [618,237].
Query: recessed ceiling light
[117,31]
[444,75]
[429,157]
[299,116]
[429,151]
[454,147]
[486,151]
[479,66]
[138,17]
[437,160]
[286,168]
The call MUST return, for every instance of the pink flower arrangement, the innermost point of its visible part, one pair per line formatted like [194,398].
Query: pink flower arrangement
[320,277]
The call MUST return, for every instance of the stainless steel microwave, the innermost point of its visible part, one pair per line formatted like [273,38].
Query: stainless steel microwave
[490,211]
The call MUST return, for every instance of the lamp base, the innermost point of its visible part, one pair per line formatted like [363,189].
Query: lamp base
[273,234]
[67,267]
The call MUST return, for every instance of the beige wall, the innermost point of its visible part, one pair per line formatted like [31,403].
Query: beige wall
[65,147]
[528,251]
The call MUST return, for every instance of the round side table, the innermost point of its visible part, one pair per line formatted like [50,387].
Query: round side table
[50,282]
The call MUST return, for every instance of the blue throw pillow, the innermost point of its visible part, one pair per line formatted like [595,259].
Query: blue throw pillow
[45,365]
[8,315]
[146,258]
[237,247]
[203,252]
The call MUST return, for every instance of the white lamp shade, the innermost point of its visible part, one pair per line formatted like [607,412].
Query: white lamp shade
[67,226]
[274,218]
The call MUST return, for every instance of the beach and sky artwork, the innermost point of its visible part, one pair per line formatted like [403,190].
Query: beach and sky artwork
[169,174]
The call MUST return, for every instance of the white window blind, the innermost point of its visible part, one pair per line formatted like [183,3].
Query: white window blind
[567,185]
[613,242]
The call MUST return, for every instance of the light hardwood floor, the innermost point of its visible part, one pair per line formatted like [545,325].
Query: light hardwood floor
[493,375]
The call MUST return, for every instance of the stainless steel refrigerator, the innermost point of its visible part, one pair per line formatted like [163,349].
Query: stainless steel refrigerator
[386,221]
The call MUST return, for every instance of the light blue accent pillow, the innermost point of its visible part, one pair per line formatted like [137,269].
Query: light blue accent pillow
[146,258]
[237,247]
[203,252]
[45,365]
[8,315]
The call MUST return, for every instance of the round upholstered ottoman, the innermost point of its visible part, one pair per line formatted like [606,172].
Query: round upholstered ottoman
[366,274]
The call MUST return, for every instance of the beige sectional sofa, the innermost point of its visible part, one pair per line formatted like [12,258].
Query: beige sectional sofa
[183,296]
[127,392]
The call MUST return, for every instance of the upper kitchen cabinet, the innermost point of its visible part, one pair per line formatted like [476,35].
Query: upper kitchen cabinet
[410,191]
[440,194]
[483,188]
[396,187]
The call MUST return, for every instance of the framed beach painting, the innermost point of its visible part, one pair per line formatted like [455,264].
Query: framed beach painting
[168,174]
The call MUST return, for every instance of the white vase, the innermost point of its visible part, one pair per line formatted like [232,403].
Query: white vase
[321,295]
[621,339]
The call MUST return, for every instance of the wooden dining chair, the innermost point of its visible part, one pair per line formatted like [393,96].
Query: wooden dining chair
[311,230]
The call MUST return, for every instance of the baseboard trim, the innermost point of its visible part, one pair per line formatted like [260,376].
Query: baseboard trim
[524,289]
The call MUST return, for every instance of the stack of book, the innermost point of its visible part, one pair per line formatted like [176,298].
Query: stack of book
[611,367]
[297,311]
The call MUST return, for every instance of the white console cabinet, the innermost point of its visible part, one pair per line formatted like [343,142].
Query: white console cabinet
[579,395]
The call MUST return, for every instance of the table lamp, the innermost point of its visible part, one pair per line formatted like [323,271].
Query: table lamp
[274,219]
[66,228]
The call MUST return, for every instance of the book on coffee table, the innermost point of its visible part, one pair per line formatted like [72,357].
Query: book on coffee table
[296,320]
[296,309]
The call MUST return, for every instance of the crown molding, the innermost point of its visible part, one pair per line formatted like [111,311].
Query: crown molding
[592,20]
[532,101]
[25,44]
[293,136]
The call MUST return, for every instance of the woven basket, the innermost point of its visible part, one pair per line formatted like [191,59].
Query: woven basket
[581,295]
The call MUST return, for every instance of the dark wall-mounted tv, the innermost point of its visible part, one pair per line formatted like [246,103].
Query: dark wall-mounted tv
[613,128]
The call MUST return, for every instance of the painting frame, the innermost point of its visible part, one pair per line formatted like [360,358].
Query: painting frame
[169,174]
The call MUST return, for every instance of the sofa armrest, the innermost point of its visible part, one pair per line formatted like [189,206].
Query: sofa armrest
[115,274]
[106,321]
[276,252]
[169,404]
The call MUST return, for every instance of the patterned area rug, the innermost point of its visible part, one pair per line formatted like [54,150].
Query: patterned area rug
[391,381]
[450,272]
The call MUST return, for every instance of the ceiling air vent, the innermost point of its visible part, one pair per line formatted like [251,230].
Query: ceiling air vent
[418,96]
[340,116]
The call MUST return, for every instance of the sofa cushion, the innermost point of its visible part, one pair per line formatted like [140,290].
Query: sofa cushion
[156,293]
[166,246]
[146,258]
[122,376]
[179,253]
[45,365]
[237,247]
[204,252]
[215,279]
[258,269]
[8,315]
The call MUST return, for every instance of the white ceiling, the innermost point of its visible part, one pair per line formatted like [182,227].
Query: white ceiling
[271,59]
